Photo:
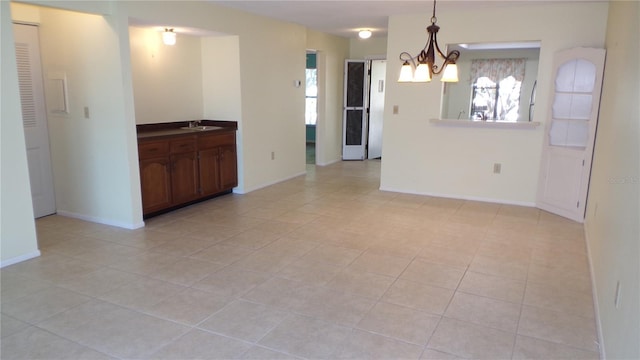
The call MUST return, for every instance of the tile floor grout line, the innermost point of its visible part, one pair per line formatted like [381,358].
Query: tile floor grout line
[334,196]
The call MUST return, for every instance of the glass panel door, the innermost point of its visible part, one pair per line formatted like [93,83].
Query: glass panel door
[354,114]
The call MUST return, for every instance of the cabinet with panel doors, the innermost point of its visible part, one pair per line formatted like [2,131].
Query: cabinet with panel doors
[185,167]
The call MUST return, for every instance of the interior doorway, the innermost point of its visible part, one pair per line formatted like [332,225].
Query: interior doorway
[311,107]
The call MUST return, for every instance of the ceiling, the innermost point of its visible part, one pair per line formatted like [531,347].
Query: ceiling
[342,18]
[345,18]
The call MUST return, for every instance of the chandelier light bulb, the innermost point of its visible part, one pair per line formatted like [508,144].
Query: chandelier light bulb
[406,73]
[450,73]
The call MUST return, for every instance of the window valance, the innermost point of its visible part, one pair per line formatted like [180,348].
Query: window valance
[497,69]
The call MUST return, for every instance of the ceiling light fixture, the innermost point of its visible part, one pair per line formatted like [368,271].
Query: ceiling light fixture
[425,67]
[169,37]
[364,34]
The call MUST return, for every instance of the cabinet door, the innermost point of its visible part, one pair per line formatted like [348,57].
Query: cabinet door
[184,177]
[209,172]
[155,184]
[228,167]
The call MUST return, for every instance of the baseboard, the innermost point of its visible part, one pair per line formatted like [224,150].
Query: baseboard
[596,306]
[329,163]
[130,226]
[462,197]
[20,258]
[246,191]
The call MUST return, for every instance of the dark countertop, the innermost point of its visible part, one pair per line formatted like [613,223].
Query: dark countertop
[145,131]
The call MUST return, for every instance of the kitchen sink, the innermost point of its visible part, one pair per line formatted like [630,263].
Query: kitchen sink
[201,128]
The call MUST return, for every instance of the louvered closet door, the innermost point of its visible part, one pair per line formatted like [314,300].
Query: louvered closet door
[34,119]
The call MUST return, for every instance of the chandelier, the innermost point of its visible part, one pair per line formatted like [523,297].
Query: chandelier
[424,63]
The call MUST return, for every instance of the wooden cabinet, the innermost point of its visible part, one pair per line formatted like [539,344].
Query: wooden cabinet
[155,175]
[209,171]
[228,166]
[218,162]
[184,168]
[156,184]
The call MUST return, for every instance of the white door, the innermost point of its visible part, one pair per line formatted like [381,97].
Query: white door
[354,125]
[376,108]
[570,132]
[34,119]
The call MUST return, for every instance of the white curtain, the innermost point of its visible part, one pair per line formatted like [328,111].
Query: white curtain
[498,69]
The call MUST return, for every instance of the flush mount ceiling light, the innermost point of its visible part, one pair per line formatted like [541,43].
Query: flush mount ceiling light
[169,37]
[364,34]
[424,62]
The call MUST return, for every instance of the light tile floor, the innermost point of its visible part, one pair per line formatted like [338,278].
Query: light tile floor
[320,266]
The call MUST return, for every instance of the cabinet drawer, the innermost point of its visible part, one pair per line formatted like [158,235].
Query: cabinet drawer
[183,145]
[153,149]
[210,141]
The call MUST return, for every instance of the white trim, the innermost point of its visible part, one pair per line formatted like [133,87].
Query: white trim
[561,212]
[596,306]
[130,226]
[489,124]
[20,258]
[462,197]
[24,22]
[242,192]
[330,162]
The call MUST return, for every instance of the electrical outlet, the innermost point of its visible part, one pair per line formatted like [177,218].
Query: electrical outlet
[86,112]
[273,155]
[396,108]
[497,168]
[616,300]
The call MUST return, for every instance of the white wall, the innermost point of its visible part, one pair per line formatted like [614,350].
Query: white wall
[17,227]
[332,52]
[371,47]
[222,97]
[221,78]
[271,59]
[613,209]
[95,175]
[167,80]
[420,157]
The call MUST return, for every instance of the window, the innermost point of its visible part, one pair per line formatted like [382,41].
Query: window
[311,95]
[496,89]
